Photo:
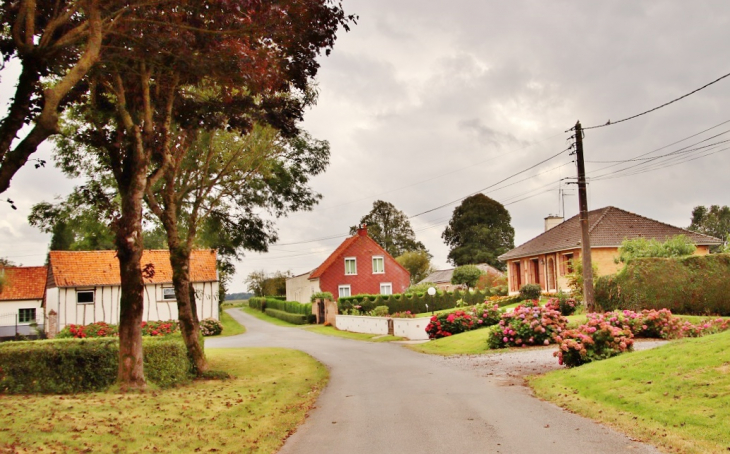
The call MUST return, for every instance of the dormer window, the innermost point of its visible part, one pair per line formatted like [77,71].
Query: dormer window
[350,265]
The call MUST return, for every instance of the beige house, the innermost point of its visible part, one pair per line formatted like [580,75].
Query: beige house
[300,288]
[545,259]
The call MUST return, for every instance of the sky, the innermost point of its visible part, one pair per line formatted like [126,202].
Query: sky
[426,102]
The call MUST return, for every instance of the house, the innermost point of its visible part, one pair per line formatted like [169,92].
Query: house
[84,287]
[21,300]
[300,288]
[442,278]
[545,259]
[358,265]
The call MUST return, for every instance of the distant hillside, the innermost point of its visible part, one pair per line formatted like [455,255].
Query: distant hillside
[238,296]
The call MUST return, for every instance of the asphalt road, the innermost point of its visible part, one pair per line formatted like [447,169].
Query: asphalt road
[384,398]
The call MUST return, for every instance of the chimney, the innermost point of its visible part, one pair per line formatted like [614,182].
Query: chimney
[363,230]
[551,221]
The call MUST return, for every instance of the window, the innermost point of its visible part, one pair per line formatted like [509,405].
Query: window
[386,288]
[350,265]
[168,294]
[343,290]
[567,265]
[26,315]
[85,296]
[378,265]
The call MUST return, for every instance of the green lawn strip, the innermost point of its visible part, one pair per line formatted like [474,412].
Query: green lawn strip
[261,316]
[332,331]
[254,412]
[468,343]
[676,396]
[431,314]
[230,326]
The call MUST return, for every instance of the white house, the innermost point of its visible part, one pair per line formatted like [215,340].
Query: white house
[84,287]
[300,288]
[21,299]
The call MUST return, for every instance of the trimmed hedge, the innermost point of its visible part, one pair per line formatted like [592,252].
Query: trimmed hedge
[686,285]
[415,303]
[65,366]
[293,307]
[297,319]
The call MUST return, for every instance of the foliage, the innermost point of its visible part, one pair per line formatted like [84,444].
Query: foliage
[530,291]
[406,314]
[296,319]
[527,326]
[391,229]
[414,302]
[160,328]
[714,221]
[103,329]
[292,307]
[419,288]
[594,341]
[564,304]
[575,278]
[686,285]
[677,246]
[379,311]
[490,281]
[487,314]
[467,275]
[265,284]
[65,366]
[418,263]
[210,327]
[449,323]
[322,295]
[479,232]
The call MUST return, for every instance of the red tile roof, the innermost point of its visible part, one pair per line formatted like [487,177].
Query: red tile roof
[88,268]
[26,283]
[333,257]
[608,228]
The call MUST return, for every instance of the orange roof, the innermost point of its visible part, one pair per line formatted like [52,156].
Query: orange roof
[27,283]
[87,268]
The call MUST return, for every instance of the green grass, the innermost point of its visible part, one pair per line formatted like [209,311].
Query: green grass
[253,412]
[332,331]
[230,326]
[261,316]
[676,396]
[468,343]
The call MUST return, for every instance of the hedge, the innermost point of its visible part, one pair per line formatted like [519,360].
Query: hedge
[65,366]
[416,303]
[686,285]
[293,307]
[296,319]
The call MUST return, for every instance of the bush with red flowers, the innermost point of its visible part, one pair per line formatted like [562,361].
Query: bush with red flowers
[450,323]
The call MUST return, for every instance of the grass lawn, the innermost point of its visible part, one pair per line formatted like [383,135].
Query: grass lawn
[332,331]
[676,396]
[230,326]
[468,343]
[254,412]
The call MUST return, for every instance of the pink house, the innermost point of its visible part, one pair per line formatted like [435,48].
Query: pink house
[359,265]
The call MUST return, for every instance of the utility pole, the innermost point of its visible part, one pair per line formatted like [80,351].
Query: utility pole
[584,226]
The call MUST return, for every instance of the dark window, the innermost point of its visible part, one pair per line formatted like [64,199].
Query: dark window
[168,294]
[26,315]
[85,296]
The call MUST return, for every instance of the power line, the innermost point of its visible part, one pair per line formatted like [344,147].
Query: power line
[611,123]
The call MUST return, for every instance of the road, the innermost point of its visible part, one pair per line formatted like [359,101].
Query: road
[384,398]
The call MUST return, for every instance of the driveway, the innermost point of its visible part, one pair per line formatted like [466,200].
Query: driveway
[384,398]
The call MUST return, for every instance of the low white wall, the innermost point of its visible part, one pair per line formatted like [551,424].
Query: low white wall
[410,328]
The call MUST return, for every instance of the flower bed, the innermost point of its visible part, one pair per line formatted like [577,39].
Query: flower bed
[527,325]
[593,341]
[208,327]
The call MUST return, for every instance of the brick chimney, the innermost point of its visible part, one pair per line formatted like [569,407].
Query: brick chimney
[363,230]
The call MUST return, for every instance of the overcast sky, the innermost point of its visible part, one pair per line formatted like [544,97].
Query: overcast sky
[426,102]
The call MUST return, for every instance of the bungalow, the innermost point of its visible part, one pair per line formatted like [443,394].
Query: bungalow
[359,265]
[546,259]
[21,300]
[442,278]
[84,287]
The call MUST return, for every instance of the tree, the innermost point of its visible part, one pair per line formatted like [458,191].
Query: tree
[677,246]
[479,231]
[390,228]
[467,275]
[418,263]
[714,221]
[255,282]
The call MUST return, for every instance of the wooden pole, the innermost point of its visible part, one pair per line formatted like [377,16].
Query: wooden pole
[584,226]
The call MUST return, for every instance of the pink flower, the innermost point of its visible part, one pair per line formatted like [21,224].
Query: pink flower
[547,342]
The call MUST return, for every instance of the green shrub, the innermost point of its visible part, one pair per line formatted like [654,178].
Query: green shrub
[415,303]
[530,292]
[487,314]
[293,307]
[563,303]
[321,295]
[296,319]
[257,302]
[210,327]
[63,366]
[379,311]
[467,275]
[687,285]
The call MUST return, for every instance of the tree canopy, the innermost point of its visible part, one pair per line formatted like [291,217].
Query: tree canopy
[390,228]
[479,231]
[677,246]
[467,275]
[418,263]
[713,221]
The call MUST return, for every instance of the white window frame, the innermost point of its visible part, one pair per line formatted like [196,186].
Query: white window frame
[381,259]
[168,294]
[340,291]
[85,291]
[33,312]
[354,262]
[388,286]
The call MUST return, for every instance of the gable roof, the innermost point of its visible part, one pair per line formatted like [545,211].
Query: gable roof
[97,268]
[441,276]
[24,283]
[359,236]
[608,227]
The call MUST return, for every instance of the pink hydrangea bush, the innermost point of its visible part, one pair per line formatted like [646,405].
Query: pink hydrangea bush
[405,314]
[527,326]
[594,341]
[450,323]
[487,314]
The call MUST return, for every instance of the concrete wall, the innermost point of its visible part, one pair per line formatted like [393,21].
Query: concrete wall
[106,304]
[410,328]
[300,288]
